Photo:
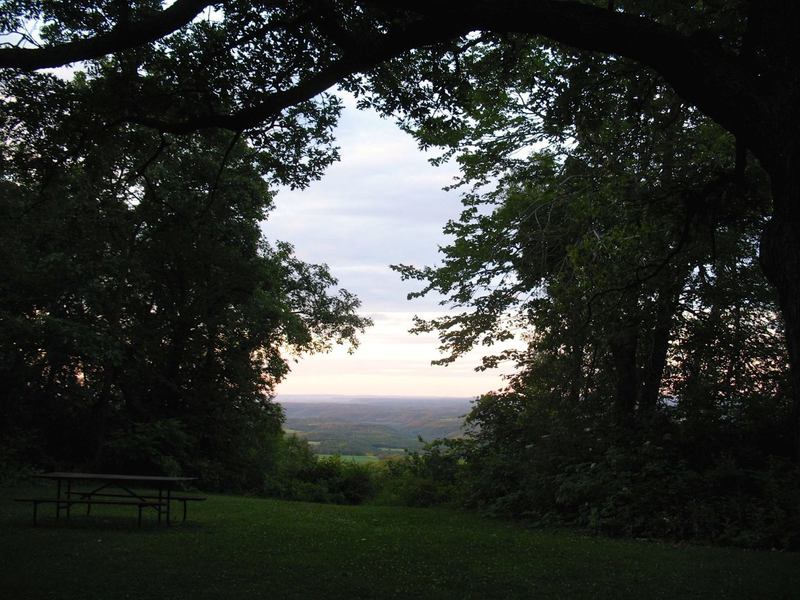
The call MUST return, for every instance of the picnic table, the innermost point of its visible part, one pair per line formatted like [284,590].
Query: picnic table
[114,489]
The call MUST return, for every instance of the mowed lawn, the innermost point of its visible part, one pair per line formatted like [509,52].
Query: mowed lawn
[238,547]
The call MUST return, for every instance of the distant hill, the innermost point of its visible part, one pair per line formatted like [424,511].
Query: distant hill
[380,425]
[369,399]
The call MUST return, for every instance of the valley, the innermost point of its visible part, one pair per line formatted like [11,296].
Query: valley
[380,426]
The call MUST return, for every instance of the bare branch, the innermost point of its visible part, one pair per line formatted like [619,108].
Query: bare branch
[223,163]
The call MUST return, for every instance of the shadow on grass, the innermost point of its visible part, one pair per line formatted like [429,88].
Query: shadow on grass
[100,523]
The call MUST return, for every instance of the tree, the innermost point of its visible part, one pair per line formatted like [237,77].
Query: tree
[145,318]
[735,61]
[653,382]
[621,205]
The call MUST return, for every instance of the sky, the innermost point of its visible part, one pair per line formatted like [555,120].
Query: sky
[382,204]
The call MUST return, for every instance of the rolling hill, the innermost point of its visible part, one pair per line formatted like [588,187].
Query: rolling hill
[378,425]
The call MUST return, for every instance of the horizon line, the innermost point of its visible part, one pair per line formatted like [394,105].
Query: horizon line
[376,395]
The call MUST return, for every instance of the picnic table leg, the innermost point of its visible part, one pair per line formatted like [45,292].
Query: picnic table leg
[160,490]
[69,491]
[58,500]
[169,503]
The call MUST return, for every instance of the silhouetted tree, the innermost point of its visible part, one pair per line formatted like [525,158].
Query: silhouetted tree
[146,320]
[250,67]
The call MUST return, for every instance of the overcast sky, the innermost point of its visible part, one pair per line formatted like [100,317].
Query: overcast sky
[382,204]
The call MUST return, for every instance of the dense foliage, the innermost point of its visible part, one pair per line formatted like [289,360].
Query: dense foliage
[145,319]
[302,475]
[614,231]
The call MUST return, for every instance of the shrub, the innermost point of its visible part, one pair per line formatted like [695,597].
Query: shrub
[158,447]
[428,478]
[301,475]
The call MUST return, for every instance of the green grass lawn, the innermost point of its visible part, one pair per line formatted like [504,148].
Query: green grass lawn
[236,547]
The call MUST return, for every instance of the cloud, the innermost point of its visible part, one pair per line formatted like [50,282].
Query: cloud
[381,205]
[391,361]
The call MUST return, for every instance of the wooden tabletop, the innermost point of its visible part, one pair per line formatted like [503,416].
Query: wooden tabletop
[115,477]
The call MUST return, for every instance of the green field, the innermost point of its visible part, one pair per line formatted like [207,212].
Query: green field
[356,458]
[384,426]
[237,547]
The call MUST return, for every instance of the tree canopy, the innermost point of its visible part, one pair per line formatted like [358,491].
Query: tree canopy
[615,229]
[145,318]
[250,67]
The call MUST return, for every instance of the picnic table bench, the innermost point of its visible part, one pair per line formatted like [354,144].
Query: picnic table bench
[114,490]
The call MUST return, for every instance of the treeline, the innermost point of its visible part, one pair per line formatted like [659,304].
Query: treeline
[645,490]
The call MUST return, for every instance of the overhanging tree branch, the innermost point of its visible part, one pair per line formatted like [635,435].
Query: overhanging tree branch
[699,68]
[122,37]
[356,60]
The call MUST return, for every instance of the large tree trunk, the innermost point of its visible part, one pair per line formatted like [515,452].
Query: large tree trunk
[101,411]
[623,344]
[656,359]
[780,259]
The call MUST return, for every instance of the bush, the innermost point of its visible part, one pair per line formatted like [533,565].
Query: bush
[158,447]
[647,490]
[301,475]
[428,478]
[14,461]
